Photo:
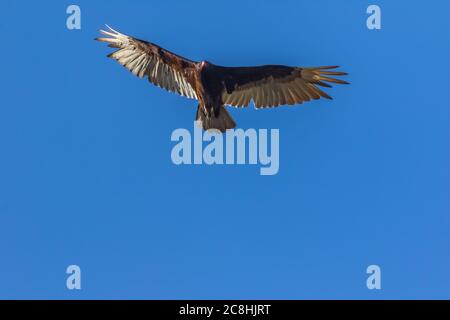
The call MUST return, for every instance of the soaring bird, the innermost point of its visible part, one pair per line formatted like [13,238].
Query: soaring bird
[215,87]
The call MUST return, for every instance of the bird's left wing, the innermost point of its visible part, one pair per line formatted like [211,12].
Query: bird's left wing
[144,59]
[275,85]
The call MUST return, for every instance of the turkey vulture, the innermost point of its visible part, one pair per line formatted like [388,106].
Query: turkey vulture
[215,86]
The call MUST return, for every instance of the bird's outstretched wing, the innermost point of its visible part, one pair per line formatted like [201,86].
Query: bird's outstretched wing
[272,86]
[144,59]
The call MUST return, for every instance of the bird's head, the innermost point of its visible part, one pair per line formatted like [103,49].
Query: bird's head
[204,65]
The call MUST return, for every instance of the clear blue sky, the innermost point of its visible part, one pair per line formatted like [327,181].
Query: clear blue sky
[86,176]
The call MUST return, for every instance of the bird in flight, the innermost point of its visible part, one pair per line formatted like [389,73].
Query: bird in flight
[215,87]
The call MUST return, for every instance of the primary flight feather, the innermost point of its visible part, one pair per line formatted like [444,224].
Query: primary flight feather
[215,86]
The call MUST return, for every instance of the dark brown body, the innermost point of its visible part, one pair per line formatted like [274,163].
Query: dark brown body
[209,87]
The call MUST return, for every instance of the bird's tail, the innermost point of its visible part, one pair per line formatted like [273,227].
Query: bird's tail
[222,121]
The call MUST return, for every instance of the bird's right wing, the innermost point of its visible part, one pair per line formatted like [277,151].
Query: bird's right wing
[275,85]
[144,59]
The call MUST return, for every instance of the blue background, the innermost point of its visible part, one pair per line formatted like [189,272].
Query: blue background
[86,176]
